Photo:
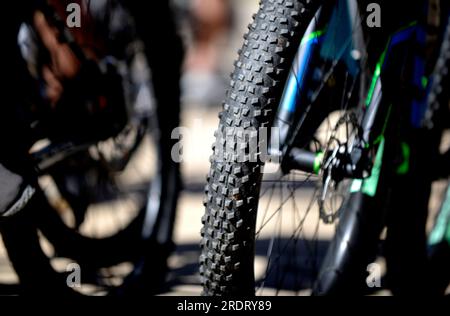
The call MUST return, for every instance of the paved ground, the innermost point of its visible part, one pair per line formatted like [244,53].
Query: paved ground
[183,279]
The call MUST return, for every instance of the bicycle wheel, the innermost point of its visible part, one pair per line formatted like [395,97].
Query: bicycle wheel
[113,205]
[128,214]
[406,244]
[234,236]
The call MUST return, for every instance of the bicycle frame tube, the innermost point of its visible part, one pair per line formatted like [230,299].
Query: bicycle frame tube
[294,91]
[377,113]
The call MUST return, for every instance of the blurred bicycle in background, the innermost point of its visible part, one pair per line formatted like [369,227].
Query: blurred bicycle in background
[96,121]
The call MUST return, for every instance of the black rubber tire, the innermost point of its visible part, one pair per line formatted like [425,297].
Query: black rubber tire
[31,264]
[354,246]
[92,254]
[232,192]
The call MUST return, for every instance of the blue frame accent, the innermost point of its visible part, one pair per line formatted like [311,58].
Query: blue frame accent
[293,88]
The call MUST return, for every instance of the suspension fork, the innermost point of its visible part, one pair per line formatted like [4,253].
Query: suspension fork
[332,38]
[293,112]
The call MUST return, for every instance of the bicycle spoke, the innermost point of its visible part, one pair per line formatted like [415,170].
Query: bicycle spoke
[298,229]
[277,210]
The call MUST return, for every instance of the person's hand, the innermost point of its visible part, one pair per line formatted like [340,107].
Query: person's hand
[64,64]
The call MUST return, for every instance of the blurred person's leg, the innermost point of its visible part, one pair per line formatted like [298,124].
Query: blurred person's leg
[210,24]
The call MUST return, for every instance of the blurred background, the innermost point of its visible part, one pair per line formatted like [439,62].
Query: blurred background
[212,32]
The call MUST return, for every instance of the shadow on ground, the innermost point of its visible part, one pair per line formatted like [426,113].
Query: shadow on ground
[288,270]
